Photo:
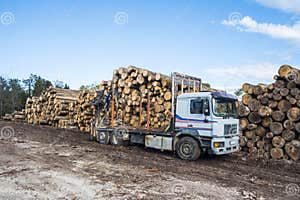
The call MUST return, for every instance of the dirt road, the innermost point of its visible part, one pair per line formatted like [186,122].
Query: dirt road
[45,163]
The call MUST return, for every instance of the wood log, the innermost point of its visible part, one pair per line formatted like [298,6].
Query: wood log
[284,105]
[288,135]
[294,75]
[293,149]
[278,116]
[264,100]
[288,124]
[269,135]
[265,111]
[284,91]
[246,99]
[243,141]
[243,111]
[243,123]
[295,91]
[254,105]
[279,84]
[291,85]
[167,96]
[272,104]
[260,144]
[251,127]
[260,131]
[278,142]
[293,114]
[284,71]
[266,122]
[276,128]
[249,134]
[277,153]
[254,118]
[277,97]
[247,88]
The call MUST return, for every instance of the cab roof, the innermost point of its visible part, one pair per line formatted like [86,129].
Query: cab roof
[219,94]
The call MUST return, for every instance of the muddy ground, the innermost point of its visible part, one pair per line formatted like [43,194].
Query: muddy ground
[39,162]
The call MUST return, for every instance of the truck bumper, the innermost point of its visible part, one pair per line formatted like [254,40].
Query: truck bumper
[230,145]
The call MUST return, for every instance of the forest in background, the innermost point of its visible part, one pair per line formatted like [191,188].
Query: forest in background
[14,92]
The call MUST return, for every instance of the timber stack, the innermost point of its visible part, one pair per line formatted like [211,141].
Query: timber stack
[270,117]
[55,107]
[142,99]
[139,95]
[85,112]
[16,116]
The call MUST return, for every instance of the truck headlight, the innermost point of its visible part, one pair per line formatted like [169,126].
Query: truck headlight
[218,144]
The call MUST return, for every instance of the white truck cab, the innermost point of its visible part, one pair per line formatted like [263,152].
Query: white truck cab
[211,119]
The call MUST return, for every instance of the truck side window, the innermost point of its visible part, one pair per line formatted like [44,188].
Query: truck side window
[196,106]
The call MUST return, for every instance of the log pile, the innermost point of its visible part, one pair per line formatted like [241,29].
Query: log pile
[85,112]
[55,107]
[138,90]
[17,116]
[139,95]
[270,117]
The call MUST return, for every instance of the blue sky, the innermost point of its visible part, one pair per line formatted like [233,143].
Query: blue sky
[226,43]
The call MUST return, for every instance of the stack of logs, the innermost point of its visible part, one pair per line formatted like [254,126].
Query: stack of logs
[85,112]
[17,116]
[135,91]
[64,108]
[55,107]
[270,117]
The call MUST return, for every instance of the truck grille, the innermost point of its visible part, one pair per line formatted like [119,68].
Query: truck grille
[230,129]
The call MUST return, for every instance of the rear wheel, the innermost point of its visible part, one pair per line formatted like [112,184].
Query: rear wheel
[188,148]
[103,137]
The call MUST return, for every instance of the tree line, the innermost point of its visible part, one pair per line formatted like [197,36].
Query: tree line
[14,92]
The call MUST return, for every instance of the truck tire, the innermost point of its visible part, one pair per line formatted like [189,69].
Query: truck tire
[188,148]
[103,137]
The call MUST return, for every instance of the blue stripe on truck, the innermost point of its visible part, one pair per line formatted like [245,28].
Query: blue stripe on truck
[201,129]
[186,120]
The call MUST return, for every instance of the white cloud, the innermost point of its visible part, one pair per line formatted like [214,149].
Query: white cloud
[231,78]
[256,72]
[247,24]
[291,6]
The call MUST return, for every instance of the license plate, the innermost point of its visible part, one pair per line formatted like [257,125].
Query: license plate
[232,142]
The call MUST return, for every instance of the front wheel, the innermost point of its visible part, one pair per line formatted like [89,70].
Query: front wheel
[103,137]
[188,148]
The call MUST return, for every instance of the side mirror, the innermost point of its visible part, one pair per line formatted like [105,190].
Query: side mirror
[206,107]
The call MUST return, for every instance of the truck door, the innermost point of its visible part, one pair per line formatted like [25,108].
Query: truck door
[199,119]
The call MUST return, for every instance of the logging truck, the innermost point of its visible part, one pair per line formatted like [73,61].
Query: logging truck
[202,122]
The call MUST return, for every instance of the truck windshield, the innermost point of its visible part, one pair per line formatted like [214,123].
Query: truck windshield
[224,107]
